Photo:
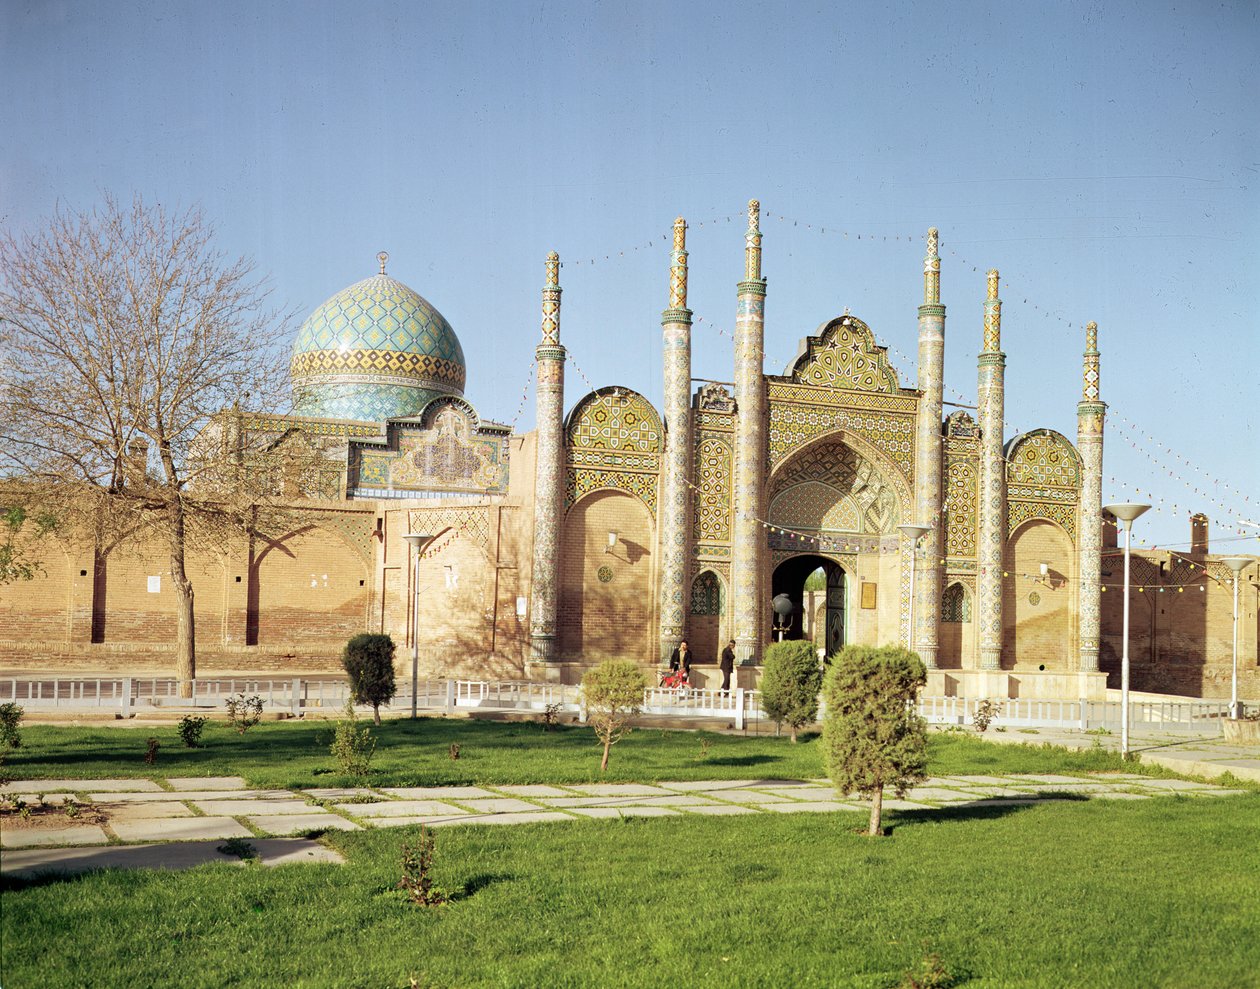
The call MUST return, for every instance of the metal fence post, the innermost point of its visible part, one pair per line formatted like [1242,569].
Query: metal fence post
[739,708]
[126,698]
[450,696]
[295,701]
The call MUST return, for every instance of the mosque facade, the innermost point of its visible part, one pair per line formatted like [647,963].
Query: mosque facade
[616,529]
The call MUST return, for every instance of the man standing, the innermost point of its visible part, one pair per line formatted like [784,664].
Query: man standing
[727,665]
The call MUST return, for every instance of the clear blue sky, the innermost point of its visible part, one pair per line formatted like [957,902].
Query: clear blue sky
[1104,156]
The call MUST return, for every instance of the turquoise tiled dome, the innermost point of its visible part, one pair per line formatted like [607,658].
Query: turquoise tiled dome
[373,351]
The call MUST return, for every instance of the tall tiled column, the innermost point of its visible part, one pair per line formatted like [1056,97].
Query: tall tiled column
[1090,414]
[674,515]
[992,495]
[548,473]
[750,447]
[927,464]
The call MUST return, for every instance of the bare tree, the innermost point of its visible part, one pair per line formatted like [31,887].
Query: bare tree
[131,353]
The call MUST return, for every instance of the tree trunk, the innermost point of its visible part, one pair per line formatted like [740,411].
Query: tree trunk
[877,808]
[376,714]
[607,745]
[793,734]
[185,632]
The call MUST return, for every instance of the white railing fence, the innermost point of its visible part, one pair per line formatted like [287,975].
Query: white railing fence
[128,695]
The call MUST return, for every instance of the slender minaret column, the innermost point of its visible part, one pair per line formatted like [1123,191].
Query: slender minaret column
[992,493]
[750,447]
[927,465]
[548,472]
[675,514]
[1090,414]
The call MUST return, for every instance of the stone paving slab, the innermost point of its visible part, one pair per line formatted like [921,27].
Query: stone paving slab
[542,815]
[247,808]
[181,829]
[687,785]
[1198,793]
[282,824]
[1047,778]
[118,796]
[994,780]
[436,792]
[1151,783]
[669,800]
[937,794]
[1084,789]
[747,797]
[619,789]
[75,834]
[1120,795]
[721,810]
[173,855]
[146,812]
[896,804]
[207,783]
[79,786]
[815,806]
[333,792]
[397,808]
[533,790]
[499,805]
[625,812]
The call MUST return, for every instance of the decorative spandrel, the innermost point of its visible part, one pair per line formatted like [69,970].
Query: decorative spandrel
[1043,463]
[615,439]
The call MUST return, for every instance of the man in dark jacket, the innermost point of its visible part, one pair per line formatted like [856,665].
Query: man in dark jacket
[680,659]
[727,665]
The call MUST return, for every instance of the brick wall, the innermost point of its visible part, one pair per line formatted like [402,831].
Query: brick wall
[1045,614]
[601,620]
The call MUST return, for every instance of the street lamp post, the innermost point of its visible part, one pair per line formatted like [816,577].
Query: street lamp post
[1126,513]
[1237,564]
[417,541]
[914,533]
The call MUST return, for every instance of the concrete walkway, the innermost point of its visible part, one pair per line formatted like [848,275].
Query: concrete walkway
[180,823]
[1207,755]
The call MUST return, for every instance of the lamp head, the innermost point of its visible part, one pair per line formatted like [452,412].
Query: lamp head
[1126,512]
[912,532]
[1237,563]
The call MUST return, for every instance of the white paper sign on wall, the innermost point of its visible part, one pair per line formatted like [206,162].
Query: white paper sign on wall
[155,585]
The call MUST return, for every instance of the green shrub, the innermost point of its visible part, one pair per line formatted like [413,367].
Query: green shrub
[190,728]
[417,868]
[352,746]
[244,712]
[872,736]
[613,693]
[790,681]
[10,718]
[369,663]
[986,711]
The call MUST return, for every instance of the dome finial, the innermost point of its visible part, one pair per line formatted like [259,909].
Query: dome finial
[382,258]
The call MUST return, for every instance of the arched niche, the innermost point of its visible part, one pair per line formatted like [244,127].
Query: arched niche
[606,592]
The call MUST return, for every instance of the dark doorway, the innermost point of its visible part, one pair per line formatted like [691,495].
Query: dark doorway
[828,601]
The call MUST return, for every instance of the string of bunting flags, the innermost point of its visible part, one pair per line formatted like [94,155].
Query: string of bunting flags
[654,242]
[520,409]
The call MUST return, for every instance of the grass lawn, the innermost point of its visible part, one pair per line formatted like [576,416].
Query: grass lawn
[1158,892]
[416,753]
